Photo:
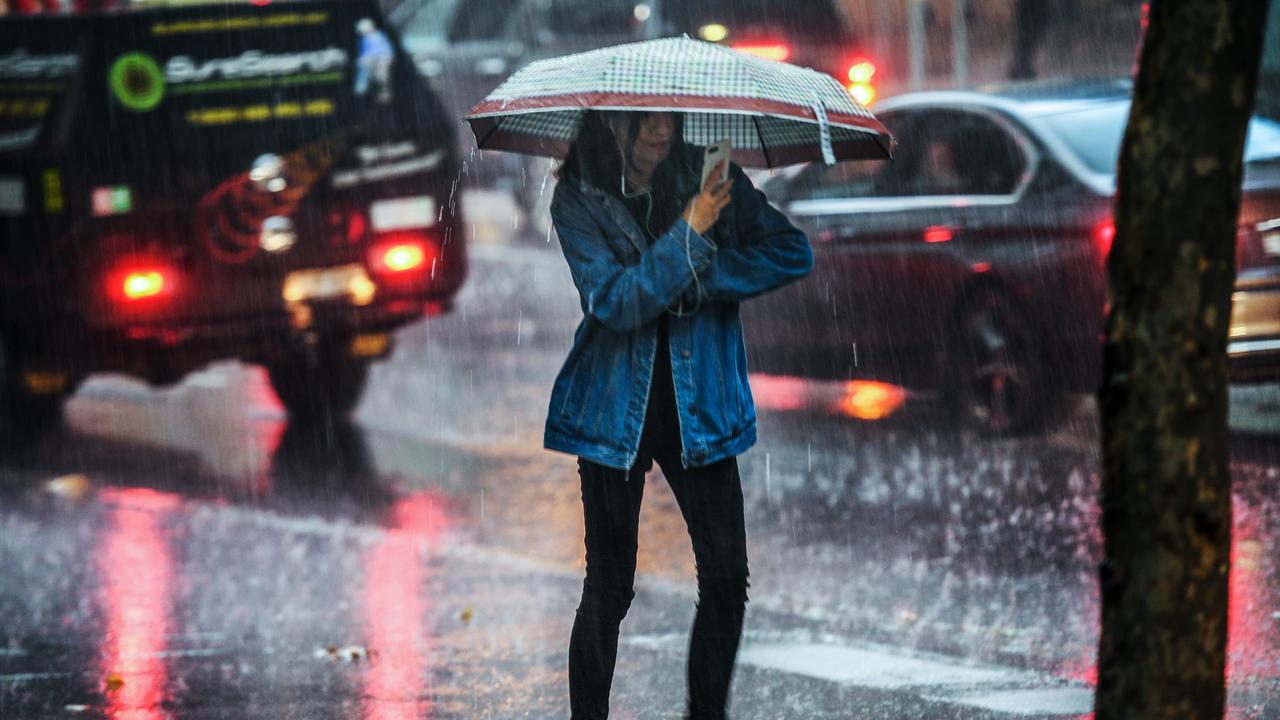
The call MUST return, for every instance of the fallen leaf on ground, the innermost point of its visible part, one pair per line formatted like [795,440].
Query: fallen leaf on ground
[350,653]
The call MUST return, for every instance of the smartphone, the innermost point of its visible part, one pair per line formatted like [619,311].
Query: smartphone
[714,154]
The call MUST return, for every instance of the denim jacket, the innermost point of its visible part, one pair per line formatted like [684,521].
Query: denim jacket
[600,395]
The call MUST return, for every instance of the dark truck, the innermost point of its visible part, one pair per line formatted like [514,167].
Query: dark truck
[270,183]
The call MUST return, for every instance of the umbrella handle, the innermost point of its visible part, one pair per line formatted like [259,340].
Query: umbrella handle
[824,132]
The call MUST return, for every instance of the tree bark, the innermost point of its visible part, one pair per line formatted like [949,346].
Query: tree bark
[1166,488]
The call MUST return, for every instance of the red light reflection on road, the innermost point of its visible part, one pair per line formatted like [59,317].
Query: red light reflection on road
[777,392]
[1083,669]
[137,579]
[1252,632]
[395,606]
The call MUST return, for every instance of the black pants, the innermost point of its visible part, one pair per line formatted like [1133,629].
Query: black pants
[710,499]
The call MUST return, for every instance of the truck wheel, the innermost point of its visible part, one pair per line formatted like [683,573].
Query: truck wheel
[321,389]
[995,370]
[31,416]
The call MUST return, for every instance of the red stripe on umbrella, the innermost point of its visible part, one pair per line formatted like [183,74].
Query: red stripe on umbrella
[673,103]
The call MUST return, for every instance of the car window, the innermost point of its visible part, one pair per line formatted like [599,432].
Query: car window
[844,180]
[864,178]
[963,153]
[940,152]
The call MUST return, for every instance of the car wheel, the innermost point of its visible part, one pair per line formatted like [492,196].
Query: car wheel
[323,387]
[996,373]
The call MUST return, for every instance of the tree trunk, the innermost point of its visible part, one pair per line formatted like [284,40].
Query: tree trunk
[1166,489]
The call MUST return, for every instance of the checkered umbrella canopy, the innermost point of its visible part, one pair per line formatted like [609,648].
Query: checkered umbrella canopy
[773,113]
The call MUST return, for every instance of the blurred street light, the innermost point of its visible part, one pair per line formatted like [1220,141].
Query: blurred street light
[715,32]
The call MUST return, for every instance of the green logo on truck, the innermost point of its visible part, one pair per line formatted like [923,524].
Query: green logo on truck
[137,81]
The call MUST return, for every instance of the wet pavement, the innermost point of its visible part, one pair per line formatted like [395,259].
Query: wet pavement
[188,553]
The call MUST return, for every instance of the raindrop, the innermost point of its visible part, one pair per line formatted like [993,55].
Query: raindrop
[768,481]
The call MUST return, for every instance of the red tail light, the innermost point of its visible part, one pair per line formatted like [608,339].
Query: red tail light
[864,94]
[862,71]
[403,257]
[146,284]
[402,254]
[861,85]
[357,227]
[140,283]
[1103,235]
[937,234]
[769,51]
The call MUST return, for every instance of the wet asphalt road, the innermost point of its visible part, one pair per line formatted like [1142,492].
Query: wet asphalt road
[188,553]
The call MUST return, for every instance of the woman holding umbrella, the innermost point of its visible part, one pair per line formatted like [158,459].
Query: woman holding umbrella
[661,261]
[642,362]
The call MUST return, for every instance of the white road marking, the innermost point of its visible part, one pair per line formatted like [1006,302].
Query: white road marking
[31,677]
[931,677]
[928,676]
[1035,701]
[875,667]
[191,652]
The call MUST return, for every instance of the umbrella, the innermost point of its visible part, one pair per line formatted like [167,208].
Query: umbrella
[773,113]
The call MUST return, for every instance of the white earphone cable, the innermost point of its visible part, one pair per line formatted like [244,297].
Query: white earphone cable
[647,191]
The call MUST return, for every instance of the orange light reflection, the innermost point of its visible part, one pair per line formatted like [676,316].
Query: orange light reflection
[868,400]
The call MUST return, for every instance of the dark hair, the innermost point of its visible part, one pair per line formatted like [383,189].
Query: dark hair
[593,156]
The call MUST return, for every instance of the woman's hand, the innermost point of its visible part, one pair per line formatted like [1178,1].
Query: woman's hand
[704,209]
